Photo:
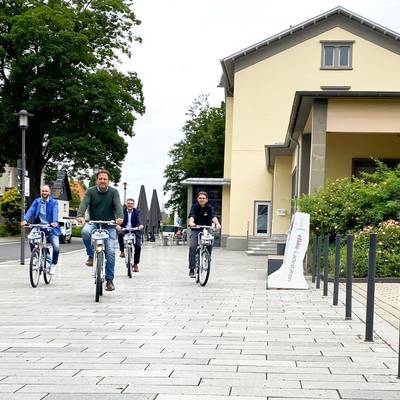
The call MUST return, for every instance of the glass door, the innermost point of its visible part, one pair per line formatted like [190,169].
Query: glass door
[262,218]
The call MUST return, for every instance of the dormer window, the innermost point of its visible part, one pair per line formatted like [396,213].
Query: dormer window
[336,55]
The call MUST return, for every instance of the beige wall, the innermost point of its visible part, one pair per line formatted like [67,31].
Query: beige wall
[364,115]
[228,136]
[282,194]
[341,148]
[226,202]
[263,99]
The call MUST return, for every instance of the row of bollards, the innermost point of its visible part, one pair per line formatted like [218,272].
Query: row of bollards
[316,277]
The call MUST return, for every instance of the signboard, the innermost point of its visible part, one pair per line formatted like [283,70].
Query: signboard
[290,275]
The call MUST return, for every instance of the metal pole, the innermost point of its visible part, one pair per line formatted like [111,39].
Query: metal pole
[349,274]
[326,265]
[337,266]
[314,259]
[23,167]
[398,367]
[318,269]
[369,319]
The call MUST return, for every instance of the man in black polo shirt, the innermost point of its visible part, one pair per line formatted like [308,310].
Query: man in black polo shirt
[201,213]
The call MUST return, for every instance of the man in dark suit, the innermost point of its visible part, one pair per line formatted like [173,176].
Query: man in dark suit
[131,220]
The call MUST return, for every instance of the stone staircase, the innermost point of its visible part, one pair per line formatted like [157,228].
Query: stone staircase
[264,246]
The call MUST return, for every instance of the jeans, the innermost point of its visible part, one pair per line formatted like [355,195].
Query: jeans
[194,234]
[109,247]
[55,243]
[137,245]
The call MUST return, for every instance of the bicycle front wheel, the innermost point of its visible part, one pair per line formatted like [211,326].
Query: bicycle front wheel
[34,267]
[46,269]
[204,270]
[99,279]
[128,260]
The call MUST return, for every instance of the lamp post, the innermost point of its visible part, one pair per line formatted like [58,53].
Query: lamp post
[23,117]
[125,185]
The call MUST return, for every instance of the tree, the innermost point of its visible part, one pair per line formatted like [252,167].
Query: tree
[10,206]
[58,61]
[199,154]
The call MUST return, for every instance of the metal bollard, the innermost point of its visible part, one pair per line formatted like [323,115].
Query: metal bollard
[369,318]
[318,269]
[326,265]
[398,367]
[314,259]
[349,274]
[338,240]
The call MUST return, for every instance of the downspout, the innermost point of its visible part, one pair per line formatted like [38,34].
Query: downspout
[298,166]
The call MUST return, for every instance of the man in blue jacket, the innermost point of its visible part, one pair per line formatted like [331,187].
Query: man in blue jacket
[131,220]
[44,210]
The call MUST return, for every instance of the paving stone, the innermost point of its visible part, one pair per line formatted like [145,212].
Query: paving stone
[160,336]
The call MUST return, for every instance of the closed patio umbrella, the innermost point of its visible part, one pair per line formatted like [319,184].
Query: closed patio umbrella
[143,208]
[154,215]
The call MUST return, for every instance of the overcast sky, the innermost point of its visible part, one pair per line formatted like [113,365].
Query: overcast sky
[183,41]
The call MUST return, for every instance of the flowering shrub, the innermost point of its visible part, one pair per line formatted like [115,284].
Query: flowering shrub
[387,255]
[347,205]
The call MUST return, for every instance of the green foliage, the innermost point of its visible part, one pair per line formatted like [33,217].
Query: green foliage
[345,205]
[199,154]
[76,231]
[57,60]
[10,208]
[3,231]
[387,257]
[75,201]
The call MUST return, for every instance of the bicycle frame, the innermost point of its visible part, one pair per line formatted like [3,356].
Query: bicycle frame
[37,236]
[99,236]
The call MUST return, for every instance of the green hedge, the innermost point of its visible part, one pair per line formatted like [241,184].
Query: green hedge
[76,231]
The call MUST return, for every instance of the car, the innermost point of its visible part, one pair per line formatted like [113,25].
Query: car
[66,230]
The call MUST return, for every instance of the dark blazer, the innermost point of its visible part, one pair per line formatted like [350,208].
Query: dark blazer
[135,219]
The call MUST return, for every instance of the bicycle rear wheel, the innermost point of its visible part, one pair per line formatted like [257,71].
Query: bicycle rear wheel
[128,260]
[99,257]
[205,264]
[46,270]
[34,267]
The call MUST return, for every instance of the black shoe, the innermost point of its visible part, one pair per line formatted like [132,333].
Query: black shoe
[191,273]
[89,262]
[110,286]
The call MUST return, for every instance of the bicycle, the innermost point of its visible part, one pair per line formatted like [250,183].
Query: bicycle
[202,256]
[129,248]
[99,236]
[41,256]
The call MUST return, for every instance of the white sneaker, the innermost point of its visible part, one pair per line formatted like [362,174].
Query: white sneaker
[52,269]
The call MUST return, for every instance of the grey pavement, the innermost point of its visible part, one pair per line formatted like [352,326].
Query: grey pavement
[161,336]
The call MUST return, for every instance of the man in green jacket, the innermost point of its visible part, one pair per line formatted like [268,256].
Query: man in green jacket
[104,204]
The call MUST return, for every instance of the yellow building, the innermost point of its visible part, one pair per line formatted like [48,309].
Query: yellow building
[308,105]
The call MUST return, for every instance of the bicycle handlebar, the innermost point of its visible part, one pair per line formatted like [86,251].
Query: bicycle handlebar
[38,226]
[112,222]
[130,229]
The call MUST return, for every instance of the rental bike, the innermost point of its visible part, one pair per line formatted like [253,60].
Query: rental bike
[41,254]
[99,236]
[203,254]
[129,247]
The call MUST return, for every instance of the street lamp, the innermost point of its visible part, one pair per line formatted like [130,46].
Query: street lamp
[23,117]
[125,185]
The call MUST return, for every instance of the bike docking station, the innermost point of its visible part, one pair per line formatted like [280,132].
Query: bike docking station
[290,274]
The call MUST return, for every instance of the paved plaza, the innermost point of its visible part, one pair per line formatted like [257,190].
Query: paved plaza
[160,336]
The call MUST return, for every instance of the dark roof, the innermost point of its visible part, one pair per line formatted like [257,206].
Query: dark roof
[230,64]
[60,188]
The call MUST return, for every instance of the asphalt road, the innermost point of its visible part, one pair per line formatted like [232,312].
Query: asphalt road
[10,250]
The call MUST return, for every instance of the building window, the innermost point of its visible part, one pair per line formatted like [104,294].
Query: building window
[336,55]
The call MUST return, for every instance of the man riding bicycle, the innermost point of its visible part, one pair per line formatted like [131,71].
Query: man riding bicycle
[131,220]
[104,204]
[201,213]
[44,210]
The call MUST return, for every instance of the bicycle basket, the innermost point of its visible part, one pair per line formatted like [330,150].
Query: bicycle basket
[207,239]
[34,234]
[130,236]
[100,234]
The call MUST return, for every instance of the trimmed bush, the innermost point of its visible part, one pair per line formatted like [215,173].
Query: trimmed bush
[76,231]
